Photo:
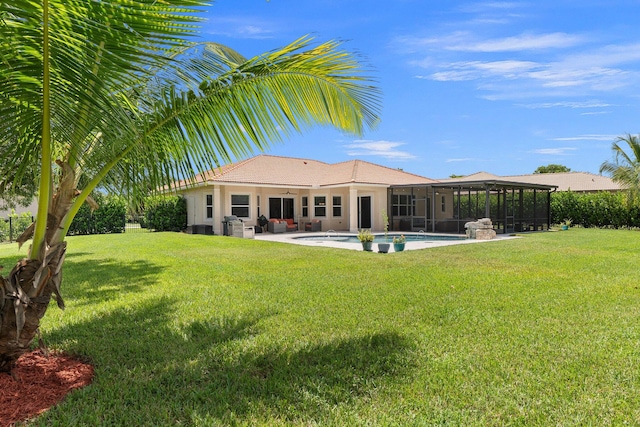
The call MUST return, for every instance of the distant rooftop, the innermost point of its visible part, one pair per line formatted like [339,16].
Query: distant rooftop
[574,181]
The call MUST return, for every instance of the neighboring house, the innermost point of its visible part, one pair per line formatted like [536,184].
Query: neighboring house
[580,182]
[32,209]
[351,195]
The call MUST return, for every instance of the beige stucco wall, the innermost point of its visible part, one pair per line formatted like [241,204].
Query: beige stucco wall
[259,204]
[448,212]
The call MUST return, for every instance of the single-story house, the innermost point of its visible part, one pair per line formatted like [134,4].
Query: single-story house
[351,195]
[345,196]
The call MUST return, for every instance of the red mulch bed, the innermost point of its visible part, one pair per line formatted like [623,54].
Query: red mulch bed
[37,383]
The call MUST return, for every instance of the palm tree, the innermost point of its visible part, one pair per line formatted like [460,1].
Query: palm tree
[625,169]
[116,95]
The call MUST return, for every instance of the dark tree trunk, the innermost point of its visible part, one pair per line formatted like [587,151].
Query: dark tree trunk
[26,292]
[24,298]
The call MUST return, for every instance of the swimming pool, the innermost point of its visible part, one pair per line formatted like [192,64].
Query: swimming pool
[380,238]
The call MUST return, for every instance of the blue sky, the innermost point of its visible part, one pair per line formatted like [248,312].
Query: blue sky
[467,86]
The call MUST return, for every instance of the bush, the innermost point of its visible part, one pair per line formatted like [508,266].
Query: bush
[108,218]
[4,229]
[14,225]
[166,213]
[602,209]
[19,223]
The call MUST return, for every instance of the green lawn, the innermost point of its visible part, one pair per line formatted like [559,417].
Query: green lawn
[203,330]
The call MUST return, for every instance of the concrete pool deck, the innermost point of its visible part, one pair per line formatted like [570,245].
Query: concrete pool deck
[409,246]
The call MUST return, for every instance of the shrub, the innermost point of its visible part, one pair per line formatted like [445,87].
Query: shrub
[108,218]
[602,209]
[4,229]
[14,225]
[166,213]
[19,223]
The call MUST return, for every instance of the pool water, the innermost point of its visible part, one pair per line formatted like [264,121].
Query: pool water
[380,238]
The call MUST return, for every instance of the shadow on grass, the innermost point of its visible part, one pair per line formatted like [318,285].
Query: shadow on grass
[104,279]
[214,371]
[97,280]
[307,385]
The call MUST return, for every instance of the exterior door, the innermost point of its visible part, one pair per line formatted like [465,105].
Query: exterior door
[281,207]
[364,212]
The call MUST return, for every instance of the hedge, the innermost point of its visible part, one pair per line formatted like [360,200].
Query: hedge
[14,225]
[602,209]
[165,213]
[108,218]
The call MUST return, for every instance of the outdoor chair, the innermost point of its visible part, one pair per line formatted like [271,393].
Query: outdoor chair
[276,226]
[314,225]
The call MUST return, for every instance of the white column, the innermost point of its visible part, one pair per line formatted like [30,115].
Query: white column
[353,210]
[217,211]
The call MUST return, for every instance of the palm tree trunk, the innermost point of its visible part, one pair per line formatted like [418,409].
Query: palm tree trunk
[26,292]
[25,296]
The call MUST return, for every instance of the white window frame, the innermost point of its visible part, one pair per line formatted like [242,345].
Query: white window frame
[334,206]
[208,206]
[319,206]
[248,205]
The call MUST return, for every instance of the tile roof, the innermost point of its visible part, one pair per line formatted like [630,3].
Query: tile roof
[271,170]
[574,181]
[279,171]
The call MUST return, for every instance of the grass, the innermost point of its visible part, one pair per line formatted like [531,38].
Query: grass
[204,331]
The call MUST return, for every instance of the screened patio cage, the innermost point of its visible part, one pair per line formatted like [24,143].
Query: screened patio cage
[447,207]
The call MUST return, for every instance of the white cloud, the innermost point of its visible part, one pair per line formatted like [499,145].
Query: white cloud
[484,6]
[462,159]
[464,41]
[570,104]
[592,137]
[594,113]
[385,149]
[561,151]
[519,43]
[533,64]
[239,27]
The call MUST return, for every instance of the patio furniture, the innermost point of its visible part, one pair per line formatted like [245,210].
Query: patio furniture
[291,226]
[276,226]
[314,225]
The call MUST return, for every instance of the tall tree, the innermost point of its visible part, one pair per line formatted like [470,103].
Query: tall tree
[625,167]
[552,168]
[115,94]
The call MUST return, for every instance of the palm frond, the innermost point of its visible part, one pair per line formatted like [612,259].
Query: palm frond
[95,47]
[625,169]
[217,106]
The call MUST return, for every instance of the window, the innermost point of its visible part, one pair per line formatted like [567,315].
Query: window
[209,206]
[240,205]
[320,206]
[305,206]
[402,204]
[337,206]
[444,203]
